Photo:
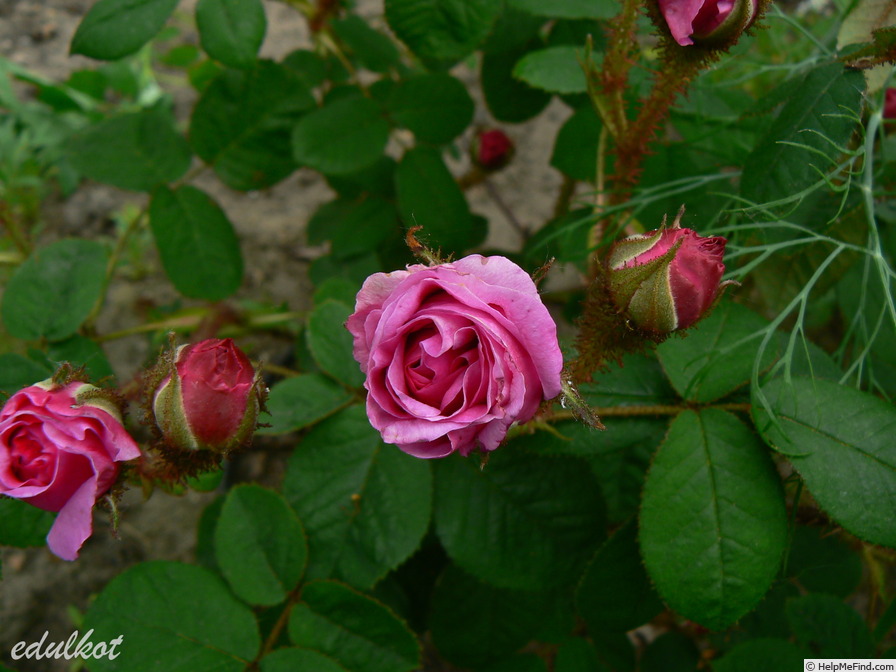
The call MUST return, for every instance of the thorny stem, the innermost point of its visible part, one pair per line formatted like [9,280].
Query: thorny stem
[113,262]
[635,411]
[294,597]
[16,235]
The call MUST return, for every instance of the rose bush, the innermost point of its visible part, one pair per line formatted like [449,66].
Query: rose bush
[666,279]
[454,354]
[60,450]
[208,398]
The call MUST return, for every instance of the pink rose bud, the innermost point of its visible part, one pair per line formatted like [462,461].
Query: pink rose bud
[666,279]
[491,150]
[209,398]
[60,449]
[454,354]
[708,22]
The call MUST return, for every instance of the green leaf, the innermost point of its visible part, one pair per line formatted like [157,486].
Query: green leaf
[353,226]
[568,9]
[199,248]
[205,534]
[555,69]
[442,32]
[113,29]
[717,356]
[564,238]
[577,655]
[435,107]
[17,372]
[290,659]
[618,457]
[260,545]
[777,655]
[243,121]
[373,50]
[575,149]
[829,628]
[473,623]
[822,112]
[353,629]
[839,440]
[331,343]
[297,402]
[637,381]
[135,151]
[515,531]
[54,290]
[670,652]
[169,612]
[822,562]
[615,592]
[713,520]
[231,31]
[81,351]
[365,505]
[23,525]
[343,136]
[509,99]
[428,196]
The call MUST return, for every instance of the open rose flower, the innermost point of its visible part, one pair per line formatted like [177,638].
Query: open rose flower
[701,21]
[667,279]
[60,450]
[209,397]
[454,354]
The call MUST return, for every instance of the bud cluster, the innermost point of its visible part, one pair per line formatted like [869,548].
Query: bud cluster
[64,446]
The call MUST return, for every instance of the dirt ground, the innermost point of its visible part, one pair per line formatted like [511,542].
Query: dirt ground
[40,592]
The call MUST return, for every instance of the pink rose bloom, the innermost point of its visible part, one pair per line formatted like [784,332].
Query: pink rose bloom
[454,354]
[210,398]
[665,289]
[701,19]
[60,449]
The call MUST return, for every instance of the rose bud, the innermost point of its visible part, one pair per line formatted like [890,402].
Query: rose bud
[60,449]
[890,104]
[708,22]
[209,398]
[666,279]
[491,150]
[454,354]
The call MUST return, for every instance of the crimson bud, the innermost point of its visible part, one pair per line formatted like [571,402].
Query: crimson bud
[666,280]
[209,397]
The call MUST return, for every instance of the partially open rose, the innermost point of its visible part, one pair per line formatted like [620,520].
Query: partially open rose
[454,354]
[708,21]
[60,449]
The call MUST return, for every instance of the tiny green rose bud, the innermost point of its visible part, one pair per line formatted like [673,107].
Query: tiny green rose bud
[209,397]
[667,279]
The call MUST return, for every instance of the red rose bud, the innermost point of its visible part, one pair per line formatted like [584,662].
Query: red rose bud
[708,22]
[666,279]
[209,398]
[890,104]
[491,150]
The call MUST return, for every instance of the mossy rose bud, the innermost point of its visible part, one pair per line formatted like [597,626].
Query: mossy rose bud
[209,397]
[491,149]
[708,22]
[667,279]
